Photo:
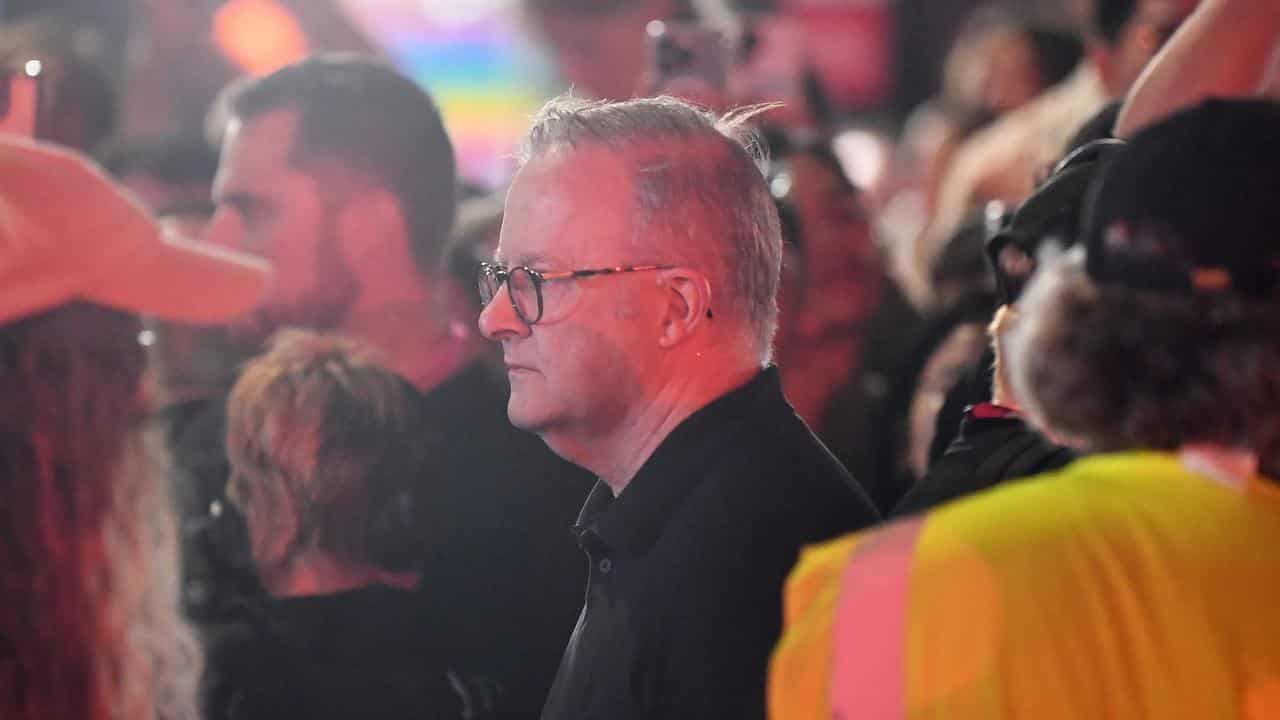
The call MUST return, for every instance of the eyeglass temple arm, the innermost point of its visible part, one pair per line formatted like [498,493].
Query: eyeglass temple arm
[601,271]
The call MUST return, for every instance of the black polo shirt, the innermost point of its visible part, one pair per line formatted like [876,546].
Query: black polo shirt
[683,602]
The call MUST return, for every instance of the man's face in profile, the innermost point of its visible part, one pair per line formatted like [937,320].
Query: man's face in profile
[576,373]
[267,206]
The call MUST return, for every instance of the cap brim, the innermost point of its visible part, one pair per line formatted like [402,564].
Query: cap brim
[185,281]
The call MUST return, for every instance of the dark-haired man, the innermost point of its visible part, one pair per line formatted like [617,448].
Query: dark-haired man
[339,170]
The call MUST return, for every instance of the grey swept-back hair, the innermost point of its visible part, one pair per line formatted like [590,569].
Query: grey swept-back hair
[698,186]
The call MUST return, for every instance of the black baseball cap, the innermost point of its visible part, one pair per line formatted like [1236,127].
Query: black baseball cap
[1191,205]
[1050,215]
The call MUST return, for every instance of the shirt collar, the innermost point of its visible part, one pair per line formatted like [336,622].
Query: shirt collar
[634,519]
[991,411]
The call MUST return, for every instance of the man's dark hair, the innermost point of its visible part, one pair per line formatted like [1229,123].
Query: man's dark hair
[363,114]
[173,159]
[1110,17]
[1057,52]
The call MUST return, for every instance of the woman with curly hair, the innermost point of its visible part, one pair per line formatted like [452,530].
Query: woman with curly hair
[89,622]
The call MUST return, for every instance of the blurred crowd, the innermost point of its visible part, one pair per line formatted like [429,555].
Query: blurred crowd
[938,386]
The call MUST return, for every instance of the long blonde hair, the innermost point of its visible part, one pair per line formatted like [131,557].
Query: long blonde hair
[89,622]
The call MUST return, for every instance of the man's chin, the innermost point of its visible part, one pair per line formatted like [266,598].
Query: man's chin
[526,418]
[521,421]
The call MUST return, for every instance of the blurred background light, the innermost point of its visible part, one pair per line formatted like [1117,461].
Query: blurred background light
[258,36]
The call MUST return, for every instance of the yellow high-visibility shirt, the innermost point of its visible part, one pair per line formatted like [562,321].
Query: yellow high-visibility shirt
[1127,585]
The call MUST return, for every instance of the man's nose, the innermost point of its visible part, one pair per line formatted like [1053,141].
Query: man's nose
[499,321]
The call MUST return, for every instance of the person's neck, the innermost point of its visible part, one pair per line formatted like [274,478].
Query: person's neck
[426,336]
[617,456]
[317,573]
[1001,396]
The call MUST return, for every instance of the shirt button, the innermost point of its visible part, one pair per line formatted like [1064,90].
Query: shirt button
[606,565]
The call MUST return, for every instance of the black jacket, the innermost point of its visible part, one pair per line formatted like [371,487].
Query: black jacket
[364,653]
[684,599]
[993,445]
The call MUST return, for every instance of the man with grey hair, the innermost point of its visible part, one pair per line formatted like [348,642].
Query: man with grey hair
[633,294]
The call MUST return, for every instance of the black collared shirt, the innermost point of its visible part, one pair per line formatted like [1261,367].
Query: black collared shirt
[684,601]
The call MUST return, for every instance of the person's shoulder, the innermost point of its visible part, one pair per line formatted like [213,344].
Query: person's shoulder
[780,468]
[1097,500]
[985,453]
[1044,506]
[776,437]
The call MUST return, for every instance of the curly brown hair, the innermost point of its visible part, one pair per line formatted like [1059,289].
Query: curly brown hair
[89,624]
[1114,368]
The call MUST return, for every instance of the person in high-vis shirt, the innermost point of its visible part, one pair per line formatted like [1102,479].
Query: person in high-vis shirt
[1142,581]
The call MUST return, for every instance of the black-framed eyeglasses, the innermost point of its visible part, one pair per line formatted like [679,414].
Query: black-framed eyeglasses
[524,284]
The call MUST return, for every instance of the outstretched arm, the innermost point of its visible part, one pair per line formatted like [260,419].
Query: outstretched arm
[1222,50]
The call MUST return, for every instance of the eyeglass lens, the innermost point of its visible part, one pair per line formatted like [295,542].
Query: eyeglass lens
[521,285]
[524,293]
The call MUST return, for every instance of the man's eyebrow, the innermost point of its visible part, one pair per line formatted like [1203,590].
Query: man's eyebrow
[529,260]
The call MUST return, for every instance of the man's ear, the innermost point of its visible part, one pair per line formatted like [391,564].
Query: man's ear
[371,228]
[688,304]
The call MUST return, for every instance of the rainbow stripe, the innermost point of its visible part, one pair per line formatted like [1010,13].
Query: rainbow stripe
[477,63]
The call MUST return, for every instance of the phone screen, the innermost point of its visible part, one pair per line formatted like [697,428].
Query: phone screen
[19,103]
